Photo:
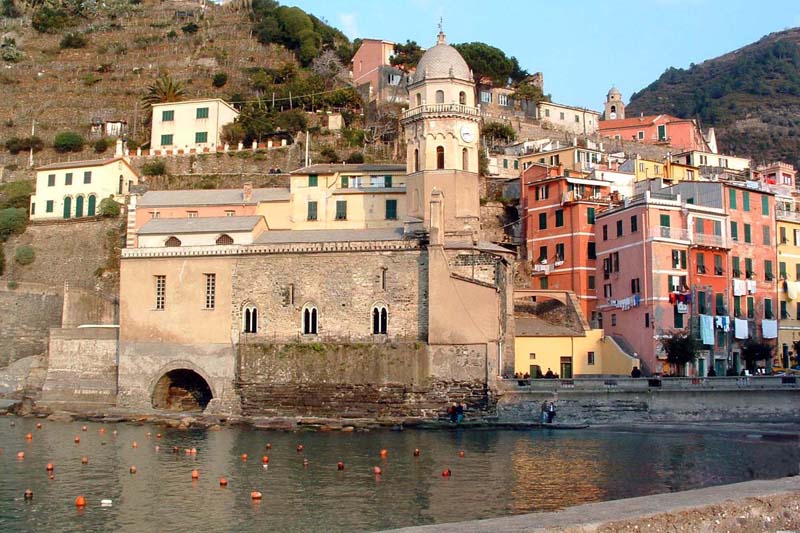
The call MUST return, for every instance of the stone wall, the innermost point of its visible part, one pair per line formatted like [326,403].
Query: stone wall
[356,380]
[29,311]
[82,367]
[678,405]
[84,306]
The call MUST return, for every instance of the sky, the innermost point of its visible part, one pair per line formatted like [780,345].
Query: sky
[583,47]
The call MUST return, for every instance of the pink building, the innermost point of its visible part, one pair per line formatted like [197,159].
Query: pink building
[682,133]
[374,74]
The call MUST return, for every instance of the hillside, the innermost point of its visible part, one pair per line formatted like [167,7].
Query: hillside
[751,95]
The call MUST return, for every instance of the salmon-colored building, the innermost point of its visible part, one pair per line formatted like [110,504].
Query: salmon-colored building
[374,74]
[682,133]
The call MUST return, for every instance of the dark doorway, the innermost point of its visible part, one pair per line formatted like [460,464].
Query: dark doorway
[181,390]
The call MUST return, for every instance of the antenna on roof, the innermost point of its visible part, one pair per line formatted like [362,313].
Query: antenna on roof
[441,39]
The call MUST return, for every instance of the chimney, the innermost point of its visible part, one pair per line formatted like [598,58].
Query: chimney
[247,191]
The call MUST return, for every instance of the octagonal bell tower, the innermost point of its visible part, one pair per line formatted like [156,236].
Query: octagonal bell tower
[442,126]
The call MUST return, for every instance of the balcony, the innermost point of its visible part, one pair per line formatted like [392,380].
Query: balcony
[441,109]
[710,241]
[542,270]
[665,232]
[786,214]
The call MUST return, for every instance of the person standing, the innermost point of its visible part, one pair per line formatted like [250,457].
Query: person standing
[459,413]
[551,412]
[545,416]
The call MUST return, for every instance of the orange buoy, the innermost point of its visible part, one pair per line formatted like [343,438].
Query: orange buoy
[20,455]
[77,440]
[84,460]
[376,470]
[39,425]
[84,428]
[28,494]
[188,451]
[384,453]
[255,495]
[416,452]
[101,430]
[446,472]
[268,446]
[132,469]
[244,457]
[193,451]
[299,448]
[28,437]
[340,466]
[158,435]
[265,459]
[223,482]
[49,467]
[461,453]
[134,445]
[80,501]
[195,474]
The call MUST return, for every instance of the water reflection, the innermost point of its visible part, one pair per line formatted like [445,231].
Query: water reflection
[502,472]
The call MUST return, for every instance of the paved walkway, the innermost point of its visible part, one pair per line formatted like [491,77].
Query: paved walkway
[595,516]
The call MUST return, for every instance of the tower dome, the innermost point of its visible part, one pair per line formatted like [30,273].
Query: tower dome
[441,61]
[614,92]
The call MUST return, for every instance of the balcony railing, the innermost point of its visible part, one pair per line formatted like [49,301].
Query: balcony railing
[787,214]
[542,270]
[716,241]
[441,108]
[665,232]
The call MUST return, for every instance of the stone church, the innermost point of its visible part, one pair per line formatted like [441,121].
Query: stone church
[276,309]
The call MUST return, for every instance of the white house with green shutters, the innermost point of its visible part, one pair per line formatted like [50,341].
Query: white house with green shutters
[189,125]
[74,189]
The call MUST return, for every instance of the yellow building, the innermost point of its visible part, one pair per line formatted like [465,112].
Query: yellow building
[191,124]
[645,169]
[789,274]
[348,196]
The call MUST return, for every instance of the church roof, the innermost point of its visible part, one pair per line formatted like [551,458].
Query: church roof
[614,90]
[164,226]
[441,61]
[330,235]
[211,197]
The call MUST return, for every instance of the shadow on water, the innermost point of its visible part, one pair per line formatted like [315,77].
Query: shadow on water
[501,473]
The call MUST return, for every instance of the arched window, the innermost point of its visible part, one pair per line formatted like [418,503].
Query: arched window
[380,320]
[419,99]
[78,206]
[462,98]
[416,159]
[310,320]
[465,159]
[173,242]
[440,97]
[67,207]
[613,109]
[224,240]
[439,157]
[91,210]
[250,319]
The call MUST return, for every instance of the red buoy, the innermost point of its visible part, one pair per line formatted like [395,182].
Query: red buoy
[223,482]
[28,494]
[158,435]
[39,425]
[84,460]
[376,470]
[244,457]
[384,453]
[49,467]
[265,459]
[20,455]
[416,452]
[77,440]
[299,448]
[80,502]
[132,469]
[268,446]
[446,472]
[461,453]
[83,428]
[340,466]
[134,445]
[255,495]
[28,437]
[195,474]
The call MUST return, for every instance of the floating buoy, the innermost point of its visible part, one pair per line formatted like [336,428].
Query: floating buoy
[101,430]
[416,452]
[49,467]
[39,425]
[148,434]
[80,501]
[84,428]
[175,449]
[77,440]
[195,474]
[244,457]
[255,495]
[384,453]
[299,448]
[84,460]
[193,451]
[114,432]
[340,466]
[20,455]
[28,437]
[305,463]
[376,470]
[134,445]
[188,451]
[461,453]
[158,435]
[28,494]
[51,476]
[106,503]
[265,459]
[158,447]
[132,469]
[223,482]
[446,472]
[268,446]
[13,424]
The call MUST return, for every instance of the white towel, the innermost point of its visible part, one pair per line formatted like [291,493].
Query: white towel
[740,328]
[791,289]
[769,329]
[739,287]
[751,286]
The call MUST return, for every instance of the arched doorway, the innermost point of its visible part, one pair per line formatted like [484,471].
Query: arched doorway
[181,390]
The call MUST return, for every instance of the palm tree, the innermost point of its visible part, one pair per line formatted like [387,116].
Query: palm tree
[164,89]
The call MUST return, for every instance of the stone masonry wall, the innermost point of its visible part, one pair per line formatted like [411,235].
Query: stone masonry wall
[350,381]
[343,287]
[28,314]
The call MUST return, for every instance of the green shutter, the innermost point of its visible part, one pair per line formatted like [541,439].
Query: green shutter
[201,137]
[590,215]
[67,207]
[559,218]
[746,200]
[542,220]
[678,318]
[79,207]
[768,308]
[720,304]
[751,307]
[734,231]
[747,236]
[167,116]
[312,210]
[768,270]
[764,205]
[683,258]
[387,182]
[391,209]
[782,269]
[748,266]
[166,140]
[312,180]
[732,198]
[49,207]
[344,182]
[202,112]
[341,209]
[90,210]
[505,163]
[736,267]
[665,221]
[737,306]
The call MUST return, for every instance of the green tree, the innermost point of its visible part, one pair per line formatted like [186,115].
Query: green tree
[754,351]
[16,194]
[68,141]
[24,255]
[219,80]
[9,10]
[233,133]
[164,89]
[527,92]
[681,348]
[487,62]
[12,221]
[73,40]
[406,56]
[495,132]
[109,208]
[50,19]
[291,121]
[156,167]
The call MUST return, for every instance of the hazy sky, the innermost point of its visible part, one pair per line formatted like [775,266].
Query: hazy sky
[581,46]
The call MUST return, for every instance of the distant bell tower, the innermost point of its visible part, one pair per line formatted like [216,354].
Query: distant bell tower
[441,135]
[615,108]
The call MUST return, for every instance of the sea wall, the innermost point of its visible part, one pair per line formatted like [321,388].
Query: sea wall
[29,311]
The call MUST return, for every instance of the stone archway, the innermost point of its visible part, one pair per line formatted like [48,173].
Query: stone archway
[181,390]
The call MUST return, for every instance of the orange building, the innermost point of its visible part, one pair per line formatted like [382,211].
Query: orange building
[682,133]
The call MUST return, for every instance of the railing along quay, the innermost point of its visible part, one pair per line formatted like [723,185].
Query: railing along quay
[640,384]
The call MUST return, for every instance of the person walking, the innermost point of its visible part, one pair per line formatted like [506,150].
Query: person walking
[551,412]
